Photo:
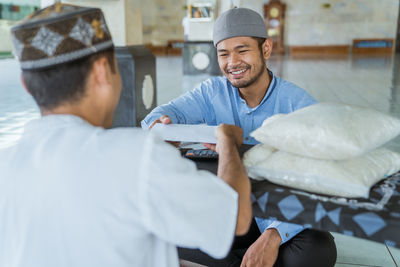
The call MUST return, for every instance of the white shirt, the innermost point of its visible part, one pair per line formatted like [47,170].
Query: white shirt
[76,195]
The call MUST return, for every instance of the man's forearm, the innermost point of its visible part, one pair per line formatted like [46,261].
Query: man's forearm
[186,109]
[231,170]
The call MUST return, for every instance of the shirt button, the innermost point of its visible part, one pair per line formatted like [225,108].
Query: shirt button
[248,113]
[287,235]
[246,138]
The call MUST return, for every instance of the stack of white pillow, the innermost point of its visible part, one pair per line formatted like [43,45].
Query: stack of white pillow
[326,148]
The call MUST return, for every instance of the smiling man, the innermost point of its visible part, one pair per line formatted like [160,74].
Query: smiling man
[248,93]
[245,96]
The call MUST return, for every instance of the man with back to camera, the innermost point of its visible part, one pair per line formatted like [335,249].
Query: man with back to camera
[247,95]
[75,194]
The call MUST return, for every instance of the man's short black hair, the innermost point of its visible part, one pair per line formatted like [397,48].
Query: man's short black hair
[260,42]
[64,83]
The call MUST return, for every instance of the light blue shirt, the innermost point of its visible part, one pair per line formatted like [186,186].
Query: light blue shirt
[217,101]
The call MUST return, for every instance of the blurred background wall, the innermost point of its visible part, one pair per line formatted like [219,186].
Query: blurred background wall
[157,22]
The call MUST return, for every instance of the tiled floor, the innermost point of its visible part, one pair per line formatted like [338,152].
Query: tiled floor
[358,252]
[16,106]
[367,81]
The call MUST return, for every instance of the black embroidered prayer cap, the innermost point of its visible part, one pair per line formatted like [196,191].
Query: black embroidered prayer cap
[58,34]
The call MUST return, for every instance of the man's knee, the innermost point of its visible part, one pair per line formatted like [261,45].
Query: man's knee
[309,248]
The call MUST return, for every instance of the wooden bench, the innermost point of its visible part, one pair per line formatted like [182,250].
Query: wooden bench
[373,46]
[174,47]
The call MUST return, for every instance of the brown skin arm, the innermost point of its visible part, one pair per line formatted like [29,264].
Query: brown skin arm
[264,251]
[231,170]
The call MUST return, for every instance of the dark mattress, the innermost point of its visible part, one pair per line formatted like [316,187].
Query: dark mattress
[376,218]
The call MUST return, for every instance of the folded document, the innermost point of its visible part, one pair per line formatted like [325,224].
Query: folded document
[186,132]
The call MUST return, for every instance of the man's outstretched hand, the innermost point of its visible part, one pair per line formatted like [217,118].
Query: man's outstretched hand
[163,119]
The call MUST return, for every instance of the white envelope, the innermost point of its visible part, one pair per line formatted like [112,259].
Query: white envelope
[186,132]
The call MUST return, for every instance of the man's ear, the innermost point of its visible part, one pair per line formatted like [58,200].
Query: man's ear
[24,85]
[267,48]
[99,74]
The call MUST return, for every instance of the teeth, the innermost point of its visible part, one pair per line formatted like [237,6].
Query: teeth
[238,72]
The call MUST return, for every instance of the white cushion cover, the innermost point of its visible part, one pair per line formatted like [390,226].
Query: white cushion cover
[347,178]
[328,131]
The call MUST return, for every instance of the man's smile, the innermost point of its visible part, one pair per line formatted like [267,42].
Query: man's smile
[238,73]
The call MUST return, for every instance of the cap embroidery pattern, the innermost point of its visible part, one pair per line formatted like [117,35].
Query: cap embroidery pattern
[18,46]
[47,41]
[59,34]
[82,31]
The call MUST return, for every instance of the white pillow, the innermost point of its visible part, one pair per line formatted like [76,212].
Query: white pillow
[328,131]
[346,178]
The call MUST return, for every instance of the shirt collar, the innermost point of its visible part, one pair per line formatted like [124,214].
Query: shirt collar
[271,87]
[54,121]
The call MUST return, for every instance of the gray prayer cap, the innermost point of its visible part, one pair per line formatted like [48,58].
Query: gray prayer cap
[239,22]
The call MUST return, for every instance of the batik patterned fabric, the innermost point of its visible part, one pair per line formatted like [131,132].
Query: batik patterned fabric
[58,34]
[375,218]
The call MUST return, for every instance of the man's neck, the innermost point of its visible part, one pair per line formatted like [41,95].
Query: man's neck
[255,93]
[81,110]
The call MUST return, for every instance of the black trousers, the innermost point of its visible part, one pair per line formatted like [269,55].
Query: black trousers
[309,248]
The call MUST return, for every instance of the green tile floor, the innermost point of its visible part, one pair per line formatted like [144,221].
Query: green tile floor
[354,251]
